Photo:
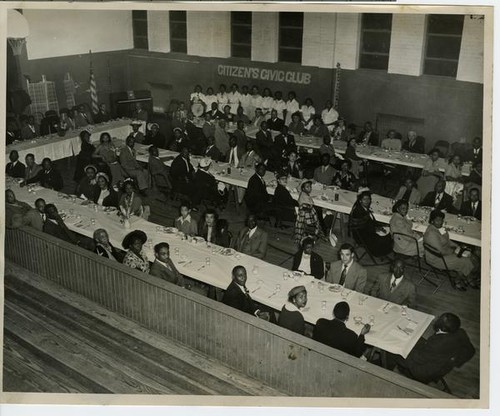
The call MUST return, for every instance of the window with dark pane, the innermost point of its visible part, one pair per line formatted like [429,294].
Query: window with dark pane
[178,31]
[291,27]
[140,29]
[375,40]
[241,34]
[444,38]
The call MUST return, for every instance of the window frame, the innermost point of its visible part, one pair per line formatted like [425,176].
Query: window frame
[290,48]
[429,35]
[362,52]
[234,26]
[172,22]
[140,38]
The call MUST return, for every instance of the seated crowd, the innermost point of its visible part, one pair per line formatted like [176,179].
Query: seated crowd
[112,177]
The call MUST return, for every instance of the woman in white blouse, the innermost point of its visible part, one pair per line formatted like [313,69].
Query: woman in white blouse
[210,98]
[308,111]
[197,99]
[222,98]
[106,196]
[255,101]
[266,102]
[234,98]
[292,106]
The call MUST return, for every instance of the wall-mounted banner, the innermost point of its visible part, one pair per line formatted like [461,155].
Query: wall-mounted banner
[278,75]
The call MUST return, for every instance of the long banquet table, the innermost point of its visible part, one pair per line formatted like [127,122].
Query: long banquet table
[462,229]
[56,147]
[373,153]
[395,329]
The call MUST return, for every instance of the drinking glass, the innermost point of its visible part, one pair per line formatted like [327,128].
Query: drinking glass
[278,287]
[285,275]
[403,310]
[323,305]
[344,294]
[176,251]
[361,300]
[371,320]
[159,228]
[207,261]
[92,221]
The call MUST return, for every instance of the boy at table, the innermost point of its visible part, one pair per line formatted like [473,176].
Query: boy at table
[346,272]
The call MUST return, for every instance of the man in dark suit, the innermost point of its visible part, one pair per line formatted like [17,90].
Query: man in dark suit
[215,113]
[368,135]
[335,334]
[395,287]
[55,226]
[476,153]
[325,173]
[308,261]
[205,185]
[50,177]
[235,153]
[265,142]
[102,115]
[238,296]
[82,117]
[15,168]
[195,135]
[163,267]
[439,199]
[241,137]
[414,143]
[158,170]
[182,172]
[36,217]
[436,356]
[209,126]
[211,150]
[346,272]
[285,142]
[251,239]
[472,207]
[256,196]
[275,123]
[131,166]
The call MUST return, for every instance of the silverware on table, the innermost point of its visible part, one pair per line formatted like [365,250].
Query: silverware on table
[403,330]
[272,294]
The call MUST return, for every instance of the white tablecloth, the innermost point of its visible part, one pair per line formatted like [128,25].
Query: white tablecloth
[56,147]
[263,277]
[464,230]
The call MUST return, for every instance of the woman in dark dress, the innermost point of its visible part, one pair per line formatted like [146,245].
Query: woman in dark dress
[84,158]
[105,195]
[87,187]
[290,315]
[365,228]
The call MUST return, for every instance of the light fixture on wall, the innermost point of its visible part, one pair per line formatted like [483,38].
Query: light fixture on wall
[17,31]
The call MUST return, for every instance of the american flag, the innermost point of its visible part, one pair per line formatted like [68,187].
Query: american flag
[93,93]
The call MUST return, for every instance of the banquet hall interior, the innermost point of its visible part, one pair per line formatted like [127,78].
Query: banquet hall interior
[242,203]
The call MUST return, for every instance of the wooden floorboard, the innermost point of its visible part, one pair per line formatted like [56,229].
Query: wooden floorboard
[139,361]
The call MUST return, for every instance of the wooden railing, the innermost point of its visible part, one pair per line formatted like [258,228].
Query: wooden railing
[291,363]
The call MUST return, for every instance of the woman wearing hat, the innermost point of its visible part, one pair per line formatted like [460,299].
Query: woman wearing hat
[290,315]
[366,229]
[307,223]
[136,134]
[87,187]
[180,140]
[130,201]
[154,137]
[105,195]
[135,257]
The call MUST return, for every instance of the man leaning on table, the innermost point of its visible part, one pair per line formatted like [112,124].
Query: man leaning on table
[394,287]
[334,333]
[346,272]
[36,217]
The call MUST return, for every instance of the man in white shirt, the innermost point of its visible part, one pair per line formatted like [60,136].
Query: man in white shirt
[346,272]
[329,116]
[395,287]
